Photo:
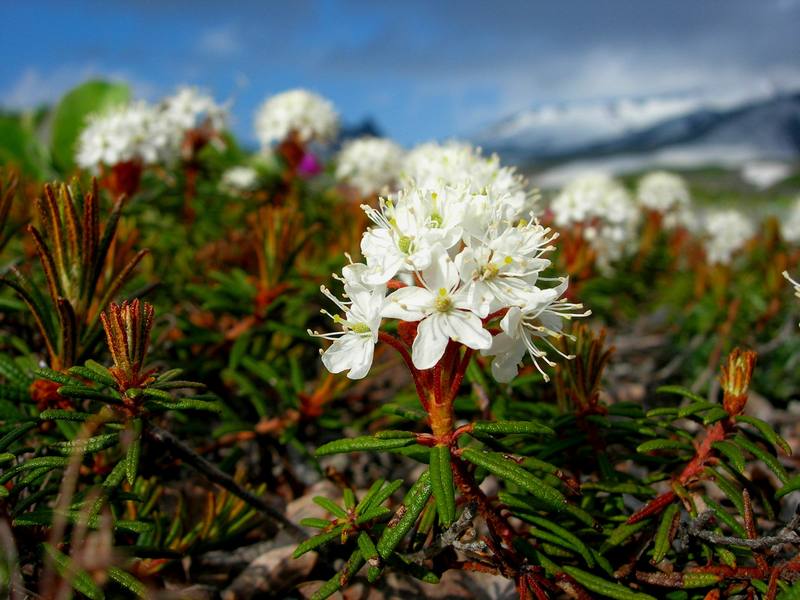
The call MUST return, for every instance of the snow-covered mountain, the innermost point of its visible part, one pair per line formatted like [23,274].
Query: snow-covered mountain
[628,135]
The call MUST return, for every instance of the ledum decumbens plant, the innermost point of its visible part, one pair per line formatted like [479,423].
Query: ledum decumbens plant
[575,497]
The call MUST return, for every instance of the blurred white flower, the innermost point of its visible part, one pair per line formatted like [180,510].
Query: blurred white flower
[604,208]
[458,164]
[240,179]
[726,232]
[307,115]
[121,134]
[790,225]
[369,164]
[187,110]
[667,194]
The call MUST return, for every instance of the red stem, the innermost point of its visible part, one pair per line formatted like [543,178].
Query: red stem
[415,373]
[462,369]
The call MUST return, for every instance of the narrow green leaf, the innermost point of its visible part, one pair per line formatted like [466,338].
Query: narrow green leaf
[508,427]
[341,579]
[767,432]
[442,482]
[665,532]
[764,456]
[601,586]
[134,450]
[315,523]
[790,486]
[415,500]
[732,452]
[361,444]
[128,581]
[662,444]
[330,506]
[510,471]
[79,579]
[680,391]
[317,541]
[90,445]
[568,539]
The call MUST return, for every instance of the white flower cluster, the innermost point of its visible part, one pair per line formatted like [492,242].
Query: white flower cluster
[667,194]
[790,224]
[369,164]
[725,233]
[307,115]
[433,165]
[468,258]
[604,208]
[119,135]
[150,134]
[240,179]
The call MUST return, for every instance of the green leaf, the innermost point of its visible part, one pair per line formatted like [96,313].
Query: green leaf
[134,450]
[330,506]
[55,414]
[601,586]
[767,432]
[79,579]
[92,375]
[508,427]
[732,452]
[442,481]
[70,116]
[790,486]
[378,494]
[415,500]
[566,538]
[338,581]
[13,435]
[315,523]
[666,530]
[128,581]
[90,445]
[680,391]
[317,541]
[725,517]
[768,459]
[662,444]
[361,444]
[510,471]
[621,533]
[394,434]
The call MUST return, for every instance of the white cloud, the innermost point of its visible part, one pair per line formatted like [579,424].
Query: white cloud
[221,42]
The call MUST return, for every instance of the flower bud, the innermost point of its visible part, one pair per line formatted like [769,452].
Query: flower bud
[735,379]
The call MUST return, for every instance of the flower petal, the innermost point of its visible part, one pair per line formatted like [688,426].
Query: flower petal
[430,343]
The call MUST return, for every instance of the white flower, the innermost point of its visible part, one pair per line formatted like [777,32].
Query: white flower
[504,269]
[188,109]
[408,227]
[790,225]
[458,164]
[442,309]
[605,209]
[308,115]
[540,318]
[121,134]
[353,348]
[369,164]
[726,232]
[240,179]
[668,194]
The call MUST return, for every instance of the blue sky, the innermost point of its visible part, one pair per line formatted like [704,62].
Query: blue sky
[423,70]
